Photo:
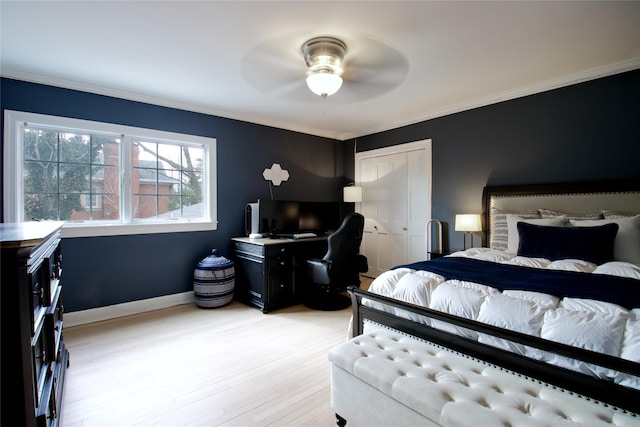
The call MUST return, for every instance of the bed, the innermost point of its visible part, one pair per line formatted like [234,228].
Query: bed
[551,300]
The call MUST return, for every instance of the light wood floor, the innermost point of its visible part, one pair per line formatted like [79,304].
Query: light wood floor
[189,366]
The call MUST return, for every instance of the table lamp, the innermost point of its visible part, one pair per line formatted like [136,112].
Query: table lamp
[469,223]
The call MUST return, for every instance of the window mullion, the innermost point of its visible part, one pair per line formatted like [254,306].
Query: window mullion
[126,193]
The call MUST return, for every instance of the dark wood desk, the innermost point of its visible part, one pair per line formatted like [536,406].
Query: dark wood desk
[272,273]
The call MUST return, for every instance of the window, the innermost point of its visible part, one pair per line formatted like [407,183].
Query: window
[105,179]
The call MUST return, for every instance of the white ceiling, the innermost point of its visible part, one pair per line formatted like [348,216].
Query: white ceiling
[406,61]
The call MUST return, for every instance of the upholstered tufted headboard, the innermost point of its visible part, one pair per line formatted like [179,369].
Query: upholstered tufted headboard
[572,198]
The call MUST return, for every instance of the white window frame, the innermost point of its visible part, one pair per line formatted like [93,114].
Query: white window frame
[13,192]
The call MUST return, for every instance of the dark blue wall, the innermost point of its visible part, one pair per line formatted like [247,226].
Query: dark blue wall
[588,131]
[584,132]
[101,271]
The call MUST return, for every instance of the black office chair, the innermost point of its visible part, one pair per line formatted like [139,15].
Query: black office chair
[339,268]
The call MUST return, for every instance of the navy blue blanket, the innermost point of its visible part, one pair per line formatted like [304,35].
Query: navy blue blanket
[618,290]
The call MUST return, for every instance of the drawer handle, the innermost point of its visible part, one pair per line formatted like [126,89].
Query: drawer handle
[39,293]
[54,407]
[42,356]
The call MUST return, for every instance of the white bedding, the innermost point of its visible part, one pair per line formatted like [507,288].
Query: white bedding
[594,325]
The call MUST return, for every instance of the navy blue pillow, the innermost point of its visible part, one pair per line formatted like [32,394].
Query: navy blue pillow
[593,244]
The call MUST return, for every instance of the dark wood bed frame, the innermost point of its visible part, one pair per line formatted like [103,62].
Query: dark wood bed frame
[604,391]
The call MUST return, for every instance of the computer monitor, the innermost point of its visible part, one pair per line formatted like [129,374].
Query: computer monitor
[322,218]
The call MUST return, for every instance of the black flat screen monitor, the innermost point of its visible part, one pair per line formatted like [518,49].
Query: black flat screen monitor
[281,217]
[322,218]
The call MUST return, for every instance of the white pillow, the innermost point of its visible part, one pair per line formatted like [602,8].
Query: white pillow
[512,227]
[499,232]
[627,244]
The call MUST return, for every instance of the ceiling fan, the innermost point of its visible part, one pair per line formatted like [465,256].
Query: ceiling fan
[359,68]
[324,57]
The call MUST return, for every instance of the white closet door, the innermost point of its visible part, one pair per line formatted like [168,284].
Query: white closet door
[389,217]
[396,204]
[368,171]
[419,203]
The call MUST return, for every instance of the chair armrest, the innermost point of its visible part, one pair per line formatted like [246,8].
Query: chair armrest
[319,271]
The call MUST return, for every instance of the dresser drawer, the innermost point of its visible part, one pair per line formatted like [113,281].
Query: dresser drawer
[51,269]
[53,323]
[48,410]
[40,364]
[37,309]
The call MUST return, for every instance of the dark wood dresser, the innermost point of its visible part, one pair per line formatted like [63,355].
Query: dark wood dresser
[34,358]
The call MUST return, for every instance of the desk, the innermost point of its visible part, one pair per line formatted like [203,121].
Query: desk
[272,273]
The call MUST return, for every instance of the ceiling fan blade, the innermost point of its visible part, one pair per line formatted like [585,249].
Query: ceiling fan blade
[377,63]
[273,65]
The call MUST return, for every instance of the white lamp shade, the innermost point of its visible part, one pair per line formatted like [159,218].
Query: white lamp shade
[353,194]
[468,222]
[324,83]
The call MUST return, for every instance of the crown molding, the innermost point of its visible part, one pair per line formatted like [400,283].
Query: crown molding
[568,80]
[540,87]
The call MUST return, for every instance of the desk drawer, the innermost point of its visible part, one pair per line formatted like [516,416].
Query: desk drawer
[278,250]
[248,248]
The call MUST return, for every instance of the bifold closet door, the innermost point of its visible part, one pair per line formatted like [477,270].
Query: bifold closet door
[396,204]
[384,206]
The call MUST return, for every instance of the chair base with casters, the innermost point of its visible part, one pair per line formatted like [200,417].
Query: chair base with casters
[340,268]
[327,301]
[326,296]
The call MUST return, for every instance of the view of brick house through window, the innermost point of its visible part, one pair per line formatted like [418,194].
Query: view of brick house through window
[77,177]
[166,180]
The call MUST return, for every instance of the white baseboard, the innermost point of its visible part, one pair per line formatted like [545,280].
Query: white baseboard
[76,318]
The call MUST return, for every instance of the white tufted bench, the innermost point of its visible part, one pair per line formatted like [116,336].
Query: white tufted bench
[384,377]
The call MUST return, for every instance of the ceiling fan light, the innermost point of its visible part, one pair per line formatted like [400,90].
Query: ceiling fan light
[324,83]
[324,56]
